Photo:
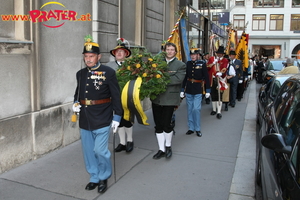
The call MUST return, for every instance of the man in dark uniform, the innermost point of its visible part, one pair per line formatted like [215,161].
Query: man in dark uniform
[234,79]
[193,86]
[97,100]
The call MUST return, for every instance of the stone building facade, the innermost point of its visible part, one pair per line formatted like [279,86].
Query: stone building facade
[39,61]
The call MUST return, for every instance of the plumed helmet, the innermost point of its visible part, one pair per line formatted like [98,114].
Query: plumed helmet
[194,51]
[90,46]
[121,45]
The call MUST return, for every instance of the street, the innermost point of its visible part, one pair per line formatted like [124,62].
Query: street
[205,168]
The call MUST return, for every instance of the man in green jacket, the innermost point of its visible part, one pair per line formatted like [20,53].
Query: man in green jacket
[164,104]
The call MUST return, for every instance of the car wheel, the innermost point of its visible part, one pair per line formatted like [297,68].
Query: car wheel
[258,170]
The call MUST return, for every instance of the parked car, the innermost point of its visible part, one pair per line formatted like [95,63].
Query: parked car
[268,92]
[278,165]
[275,66]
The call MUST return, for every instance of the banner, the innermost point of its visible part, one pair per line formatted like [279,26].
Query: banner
[242,51]
[184,40]
[232,41]
[175,38]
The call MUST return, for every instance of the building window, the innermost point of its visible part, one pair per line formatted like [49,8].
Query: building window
[268,3]
[218,4]
[239,22]
[295,22]
[258,22]
[276,22]
[296,3]
[240,3]
[203,4]
[215,18]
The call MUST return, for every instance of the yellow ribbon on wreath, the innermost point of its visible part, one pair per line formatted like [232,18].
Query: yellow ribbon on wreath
[131,103]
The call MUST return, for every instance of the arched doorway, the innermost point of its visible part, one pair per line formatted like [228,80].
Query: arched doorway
[296,52]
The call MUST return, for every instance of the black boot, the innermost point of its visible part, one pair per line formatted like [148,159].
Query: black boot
[159,154]
[120,147]
[168,152]
[213,113]
[102,186]
[199,134]
[189,132]
[129,146]
[226,106]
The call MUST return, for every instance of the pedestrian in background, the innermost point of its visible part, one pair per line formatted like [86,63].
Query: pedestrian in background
[164,104]
[219,89]
[234,78]
[97,100]
[120,52]
[260,70]
[289,68]
[193,88]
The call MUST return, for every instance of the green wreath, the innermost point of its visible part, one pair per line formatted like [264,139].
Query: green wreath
[152,70]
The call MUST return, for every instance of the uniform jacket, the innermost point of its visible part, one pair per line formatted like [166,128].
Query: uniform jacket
[171,97]
[222,64]
[95,85]
[237,65]
[196,70]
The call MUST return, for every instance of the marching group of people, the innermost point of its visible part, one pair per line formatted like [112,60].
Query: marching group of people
[217,78]
[97,100]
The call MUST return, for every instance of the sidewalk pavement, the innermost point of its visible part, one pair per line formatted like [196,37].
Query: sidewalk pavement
[216,166]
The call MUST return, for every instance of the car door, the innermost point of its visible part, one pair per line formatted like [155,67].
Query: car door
[272,162]
[289,174]
[288,165]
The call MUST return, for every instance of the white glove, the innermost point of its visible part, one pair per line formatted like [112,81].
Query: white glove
[215,61]
[207,95]
[76,107]
[181,94]
[114,126]
[219,74]
[240,81]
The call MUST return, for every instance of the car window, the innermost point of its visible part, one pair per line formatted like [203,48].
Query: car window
[276,88]
[280,102]
[290,121]
[277,65]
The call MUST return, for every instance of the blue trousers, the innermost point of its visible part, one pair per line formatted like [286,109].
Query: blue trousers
[193,103]
[96,153]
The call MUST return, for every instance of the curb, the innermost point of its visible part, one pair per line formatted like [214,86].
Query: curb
[243,180]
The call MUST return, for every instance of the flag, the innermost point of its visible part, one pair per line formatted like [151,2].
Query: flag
[231,43]
[212,46]
[175,38]
[242,51]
